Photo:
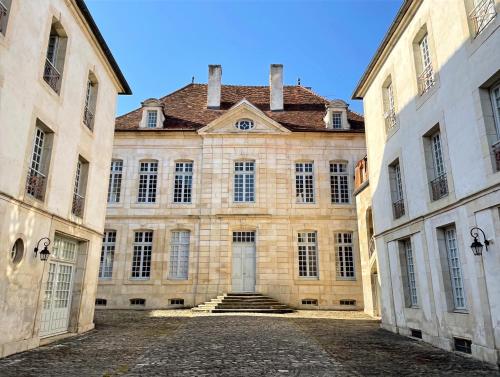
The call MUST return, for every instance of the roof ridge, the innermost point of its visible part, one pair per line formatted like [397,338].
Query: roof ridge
[314,93]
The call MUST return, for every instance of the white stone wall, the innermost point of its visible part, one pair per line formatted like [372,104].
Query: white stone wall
[465,67]
[24,98]
[213,216]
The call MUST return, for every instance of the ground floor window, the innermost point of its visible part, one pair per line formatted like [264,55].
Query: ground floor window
[179,254]
[107,254]
[308,254]
[141,261]
[344,256]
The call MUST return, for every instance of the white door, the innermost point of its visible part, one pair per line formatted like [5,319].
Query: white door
[243,270]
[58,289]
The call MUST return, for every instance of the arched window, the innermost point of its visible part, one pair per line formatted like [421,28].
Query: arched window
[179,254]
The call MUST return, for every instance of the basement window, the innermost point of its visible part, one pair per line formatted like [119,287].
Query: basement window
[348,302]
[416,333]
[101,301]
[137,301]
[176,301]
[310,301]
[463,345]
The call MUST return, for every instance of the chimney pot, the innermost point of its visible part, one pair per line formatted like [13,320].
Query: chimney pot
[276,87]
[214,86]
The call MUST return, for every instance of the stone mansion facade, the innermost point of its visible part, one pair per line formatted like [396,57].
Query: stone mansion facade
[220,188]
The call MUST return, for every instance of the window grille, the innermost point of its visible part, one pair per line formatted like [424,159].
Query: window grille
[336,120]
[426,78]
[148,177]
[101,302]
[107,254]
[339,183]
[243,236]
[244,124]
[397,191]
[345,256]
[439,185]
[137,301]
[310,301]
[483,13]
[51,74]
[183,182]
[152,118]
[347,302]
[455,267]
[115,181]
[244,181]
[179,255]
[463,345]
[35,184]
[176,301]
[308,254]
[410,270]
[78,194]
[390,107]
[304,182]
[141,261]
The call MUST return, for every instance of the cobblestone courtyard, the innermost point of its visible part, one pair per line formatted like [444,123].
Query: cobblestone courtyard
[179,343]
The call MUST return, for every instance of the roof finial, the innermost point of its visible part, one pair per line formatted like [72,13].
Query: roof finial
[192,80]
[298,81]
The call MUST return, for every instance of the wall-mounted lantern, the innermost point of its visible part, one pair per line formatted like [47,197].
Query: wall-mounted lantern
[44,254]
[476,245]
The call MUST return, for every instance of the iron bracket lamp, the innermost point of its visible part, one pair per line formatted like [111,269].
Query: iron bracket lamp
[477,246]
[44,254]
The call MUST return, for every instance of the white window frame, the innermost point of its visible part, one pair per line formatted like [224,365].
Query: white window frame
[115,181]
[410,273]
[455,268]
[179,254]
[151,118]
[107,254]
[148,181]
[37,164]
[344,256]
[336,120]
[304,182]
[339,183]
[307,248]
[427,74]
[437,155]
[183,182]
[141,257]
[496,107]
[244,182]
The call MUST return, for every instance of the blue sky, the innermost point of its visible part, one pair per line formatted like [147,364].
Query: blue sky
[161,44]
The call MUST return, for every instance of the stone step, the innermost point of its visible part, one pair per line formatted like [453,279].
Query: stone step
[243,302]
[273,311]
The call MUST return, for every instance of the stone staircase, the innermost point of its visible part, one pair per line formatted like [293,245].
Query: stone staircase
[242,303]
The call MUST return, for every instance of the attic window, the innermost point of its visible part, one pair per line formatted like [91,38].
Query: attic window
[337,120]
[152,118]
[244,124]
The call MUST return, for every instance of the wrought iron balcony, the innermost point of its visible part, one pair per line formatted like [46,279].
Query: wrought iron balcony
[496,153]
[51,75]
[390,119]
[439,187]
[78,203]
[35,184]
[482,14]
[398,208]
[88,118]
[426,80]
[371,246]
[3,16]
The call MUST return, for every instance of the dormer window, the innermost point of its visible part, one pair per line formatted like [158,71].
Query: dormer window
[244,124]
[152,118]
[337,120]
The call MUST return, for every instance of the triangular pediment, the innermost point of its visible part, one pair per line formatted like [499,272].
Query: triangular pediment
[243,110]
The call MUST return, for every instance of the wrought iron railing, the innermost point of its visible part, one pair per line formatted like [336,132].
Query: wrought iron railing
[390,119]
[78,203]
[496,153]
[371,246]
[3,16]
[482,14]
[426,80]
[88,118]
[35,184]
[439,187]
[51,75]
[398,208]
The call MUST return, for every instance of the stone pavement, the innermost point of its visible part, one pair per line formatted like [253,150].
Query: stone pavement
[180,343]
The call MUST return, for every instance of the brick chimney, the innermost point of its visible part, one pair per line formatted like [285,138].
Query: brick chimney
[276,87]
[214,86]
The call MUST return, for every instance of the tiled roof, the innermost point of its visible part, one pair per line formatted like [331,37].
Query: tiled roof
[186,108]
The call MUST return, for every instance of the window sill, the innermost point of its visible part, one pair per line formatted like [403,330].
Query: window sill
[459,311]
[421,99]
[345,279]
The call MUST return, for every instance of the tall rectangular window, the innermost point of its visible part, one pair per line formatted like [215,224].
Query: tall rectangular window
[115,181]
[54,62]
[396,185]
[244,181]
[148,178]
[183,185]
[4,14]
[455,268]
[107,254]
[152,118]
[308,254]
[336,120]
[90,102]
[179,254]
[439,182]
[141,260]
[426,77]
[37,172]
[304,182]
[344,256]
[339,183]
[495,102]
[389,105]
[80,187]
[482,14]
[410,273]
